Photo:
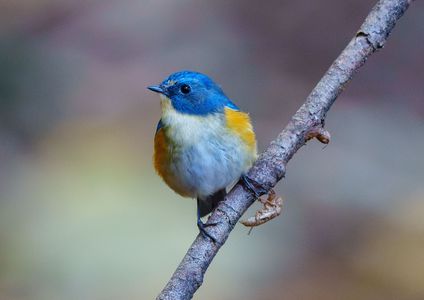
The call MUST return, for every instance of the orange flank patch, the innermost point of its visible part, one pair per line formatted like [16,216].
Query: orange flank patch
[161,161]
[161,156]
[239,123]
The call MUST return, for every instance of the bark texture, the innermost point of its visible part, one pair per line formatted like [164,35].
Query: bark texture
[271,165]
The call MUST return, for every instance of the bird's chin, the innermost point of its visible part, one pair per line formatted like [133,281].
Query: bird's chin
[165,103]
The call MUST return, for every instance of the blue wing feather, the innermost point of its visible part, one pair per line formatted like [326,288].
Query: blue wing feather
[159,126]
[231,105]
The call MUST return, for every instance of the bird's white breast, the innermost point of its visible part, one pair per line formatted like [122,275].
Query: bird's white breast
[205,155]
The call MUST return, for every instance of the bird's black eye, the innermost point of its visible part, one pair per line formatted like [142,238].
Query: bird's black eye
[185,89]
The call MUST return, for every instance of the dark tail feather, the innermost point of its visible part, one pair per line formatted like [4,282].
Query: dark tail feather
[209,204]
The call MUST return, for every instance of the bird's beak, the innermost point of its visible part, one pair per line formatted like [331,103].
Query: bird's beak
[156,89]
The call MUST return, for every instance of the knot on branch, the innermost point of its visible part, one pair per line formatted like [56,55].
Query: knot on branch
[375,45]
[320,134]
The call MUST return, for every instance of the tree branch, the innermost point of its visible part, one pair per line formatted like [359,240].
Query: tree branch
[270,167]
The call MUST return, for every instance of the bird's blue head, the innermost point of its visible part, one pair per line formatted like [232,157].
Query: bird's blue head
[193,93]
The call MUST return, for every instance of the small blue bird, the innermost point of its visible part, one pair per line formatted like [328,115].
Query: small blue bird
[203,142]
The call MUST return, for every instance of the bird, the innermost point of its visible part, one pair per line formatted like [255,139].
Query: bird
[203,142]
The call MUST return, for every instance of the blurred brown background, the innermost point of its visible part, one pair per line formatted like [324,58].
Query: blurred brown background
[83,214]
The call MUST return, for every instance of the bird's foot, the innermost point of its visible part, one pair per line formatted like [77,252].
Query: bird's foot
[202,228]
[253,186]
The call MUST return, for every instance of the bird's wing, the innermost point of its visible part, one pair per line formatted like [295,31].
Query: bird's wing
[231,105]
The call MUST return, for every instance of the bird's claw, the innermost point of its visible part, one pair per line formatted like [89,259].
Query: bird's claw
[253,186]
[203,231]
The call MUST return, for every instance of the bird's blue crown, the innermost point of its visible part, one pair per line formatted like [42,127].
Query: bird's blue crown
[194,93]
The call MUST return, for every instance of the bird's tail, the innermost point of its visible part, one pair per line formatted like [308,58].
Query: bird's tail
[209,204]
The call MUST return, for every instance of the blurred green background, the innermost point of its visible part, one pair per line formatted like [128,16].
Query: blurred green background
[83,214]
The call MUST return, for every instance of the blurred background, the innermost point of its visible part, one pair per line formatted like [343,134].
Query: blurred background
[83,214]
